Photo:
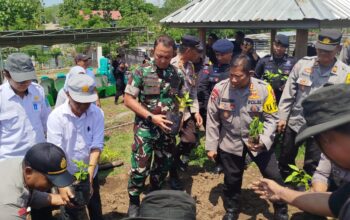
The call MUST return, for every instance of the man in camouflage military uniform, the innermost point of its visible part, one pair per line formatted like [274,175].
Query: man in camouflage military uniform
[210,76]
[189,51]
[308,75]
[275,68]
[233,105]
[155,86]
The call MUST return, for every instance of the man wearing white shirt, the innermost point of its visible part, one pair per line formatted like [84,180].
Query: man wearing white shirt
[23,113]
[78,128]
[23,108]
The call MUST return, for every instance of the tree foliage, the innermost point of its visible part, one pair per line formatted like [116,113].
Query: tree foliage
[19,14]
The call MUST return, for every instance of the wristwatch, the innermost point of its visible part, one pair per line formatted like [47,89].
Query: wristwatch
[149,118]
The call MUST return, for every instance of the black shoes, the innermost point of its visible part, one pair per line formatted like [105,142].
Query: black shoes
[231,215]
[134,206]
[281,212]
[175,183]
[218,169]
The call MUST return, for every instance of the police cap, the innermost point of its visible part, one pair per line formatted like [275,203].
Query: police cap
[328,39]
[223,46]
[282,39]
[191,41]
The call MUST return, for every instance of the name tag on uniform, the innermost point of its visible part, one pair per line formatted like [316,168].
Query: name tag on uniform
[151,85]
[304,82]
[227,106]
[151,90]
[213,79]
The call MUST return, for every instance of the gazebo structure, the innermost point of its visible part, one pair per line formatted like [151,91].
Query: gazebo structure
[263,14]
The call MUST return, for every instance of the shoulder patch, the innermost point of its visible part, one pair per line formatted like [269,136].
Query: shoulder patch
[214,94]
[270,105]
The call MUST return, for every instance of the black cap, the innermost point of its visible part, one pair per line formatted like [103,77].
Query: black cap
[49,160]
[191,41]
[20,67]
[282,39]
[325,109]
[81,56]
[328,39]
[167,204]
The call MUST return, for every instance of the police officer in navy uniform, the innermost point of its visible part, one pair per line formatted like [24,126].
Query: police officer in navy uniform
[276,67]
[211,76]
[214,74]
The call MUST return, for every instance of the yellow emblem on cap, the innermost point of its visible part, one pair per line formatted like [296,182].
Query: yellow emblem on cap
[36,98]
[85,88]
[334,69]
[63,163]
[326,40]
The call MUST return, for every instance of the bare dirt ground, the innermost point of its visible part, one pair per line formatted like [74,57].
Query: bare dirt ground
[204,187]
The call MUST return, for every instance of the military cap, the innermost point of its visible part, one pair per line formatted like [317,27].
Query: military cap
[223,46]
[325,109]
[328,39]
[191,41]
[282,39]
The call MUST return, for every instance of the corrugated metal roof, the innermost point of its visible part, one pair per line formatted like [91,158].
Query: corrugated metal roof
[212,12]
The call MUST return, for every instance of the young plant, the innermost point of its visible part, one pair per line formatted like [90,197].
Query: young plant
[298,177]
[256,127]
[184,101]
[82,174]
[270,76]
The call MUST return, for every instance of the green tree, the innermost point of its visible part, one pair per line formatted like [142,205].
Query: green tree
[20,14]
[51,14]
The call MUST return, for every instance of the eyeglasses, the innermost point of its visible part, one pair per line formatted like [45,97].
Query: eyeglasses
[246,44]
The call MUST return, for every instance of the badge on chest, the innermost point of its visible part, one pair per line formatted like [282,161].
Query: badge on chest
[151,85]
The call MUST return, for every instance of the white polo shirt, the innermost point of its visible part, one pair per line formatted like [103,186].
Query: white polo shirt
[22,121]
[77,136]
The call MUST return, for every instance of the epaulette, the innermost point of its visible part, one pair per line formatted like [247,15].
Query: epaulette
[262,82]
[309,58]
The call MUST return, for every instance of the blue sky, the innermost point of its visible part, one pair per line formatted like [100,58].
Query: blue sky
[53,2]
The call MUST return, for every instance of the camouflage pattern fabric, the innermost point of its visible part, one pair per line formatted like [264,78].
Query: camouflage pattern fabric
[155,90]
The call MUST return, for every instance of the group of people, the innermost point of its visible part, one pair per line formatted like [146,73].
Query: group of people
[39,146]
[297,101]
[228,95]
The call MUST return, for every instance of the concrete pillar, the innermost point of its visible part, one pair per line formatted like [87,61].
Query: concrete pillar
[301,43]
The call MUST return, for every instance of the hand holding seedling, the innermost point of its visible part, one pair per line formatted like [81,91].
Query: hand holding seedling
[212,155]
[162,122]
[267,189]
[256,147]
[66,195]
[199,119]
[281,126]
